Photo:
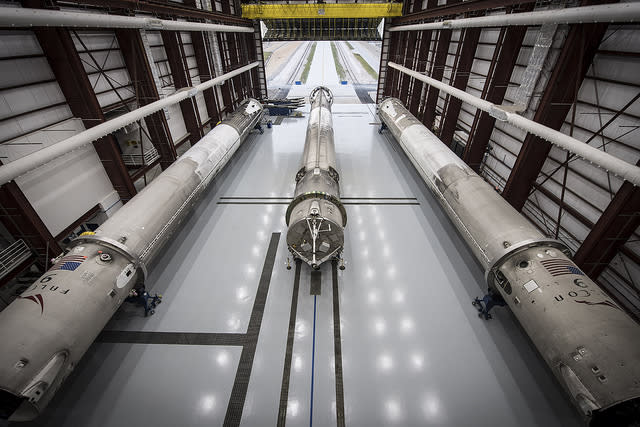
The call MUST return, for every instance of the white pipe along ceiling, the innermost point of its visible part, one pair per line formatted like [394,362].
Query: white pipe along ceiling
[618,12]
[599,158]
[31,161]
[25,17]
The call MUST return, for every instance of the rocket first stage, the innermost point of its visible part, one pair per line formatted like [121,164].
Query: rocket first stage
[47,330]
[591,345]
[316,216]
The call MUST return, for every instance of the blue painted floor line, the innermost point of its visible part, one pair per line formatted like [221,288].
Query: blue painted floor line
[313,361]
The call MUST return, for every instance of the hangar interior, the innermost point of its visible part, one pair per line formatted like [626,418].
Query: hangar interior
[240,339]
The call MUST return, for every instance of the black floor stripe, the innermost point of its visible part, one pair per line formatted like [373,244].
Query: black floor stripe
[341,198]
[382,203]
[180,338]
[286,373]
[243,373]
[344,203]
[337,347]
[362,92]
[254,203]
[255,198]
[378,198]
[315,285]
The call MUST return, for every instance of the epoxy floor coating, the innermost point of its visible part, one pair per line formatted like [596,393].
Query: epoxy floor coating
[413,351]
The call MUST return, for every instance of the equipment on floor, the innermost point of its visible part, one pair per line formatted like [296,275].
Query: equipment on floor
[141,298]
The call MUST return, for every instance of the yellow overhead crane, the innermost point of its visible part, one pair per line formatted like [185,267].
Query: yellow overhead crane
[324,10]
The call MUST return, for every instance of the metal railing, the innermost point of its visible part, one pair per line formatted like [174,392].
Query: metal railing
[12,256]
[139,159]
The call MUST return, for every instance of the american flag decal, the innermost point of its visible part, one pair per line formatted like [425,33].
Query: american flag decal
[69,263]
[560,267]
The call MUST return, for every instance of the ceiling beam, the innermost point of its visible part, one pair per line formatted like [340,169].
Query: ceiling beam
[560,92]
[383,69]
[456,9]
[18,270]
[205,70]
[227,99]
[421,63]
[417,4]
[226,6]
[438,64]
[38,158]
[584,221]
[460,80]
[22,221]
[602,13]
[252,79]
[141,75]
[615,226]
[65,62]
[391,75]
[234,84]
[206,67]
[599,158]
[181,79]
[258,76]
[409,54]
[158,8]
[416,101]
[495,87]
[437,71]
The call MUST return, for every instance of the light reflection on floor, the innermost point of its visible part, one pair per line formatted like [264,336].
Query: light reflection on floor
[413,350]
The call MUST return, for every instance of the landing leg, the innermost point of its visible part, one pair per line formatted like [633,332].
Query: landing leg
[484,305]
[151,302]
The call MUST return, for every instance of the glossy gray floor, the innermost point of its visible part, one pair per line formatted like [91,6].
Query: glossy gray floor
[414,351]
